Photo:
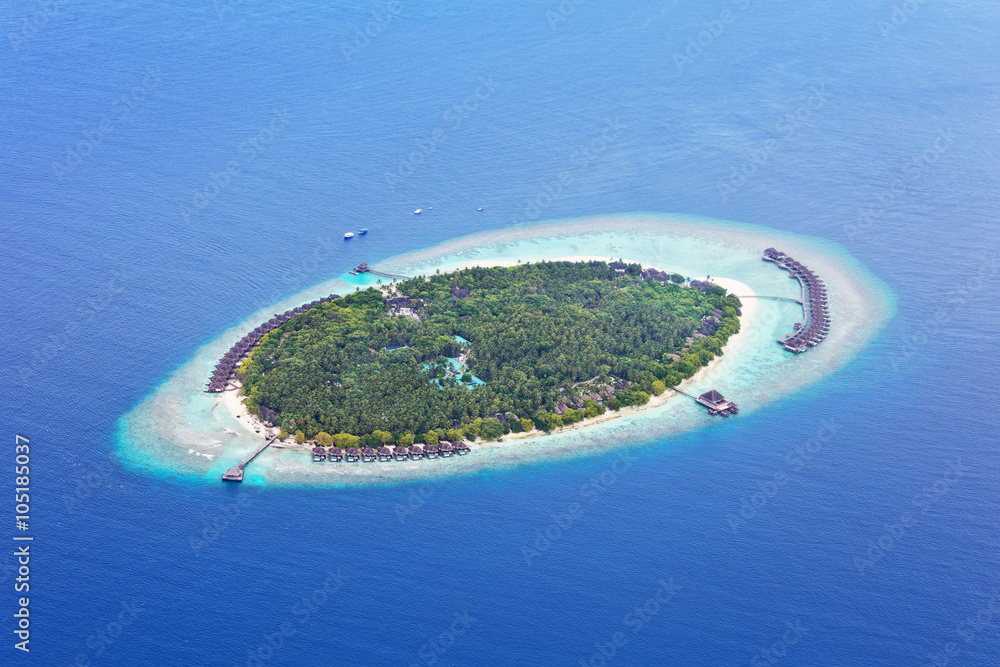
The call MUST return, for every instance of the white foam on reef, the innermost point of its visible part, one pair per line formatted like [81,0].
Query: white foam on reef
[178,418]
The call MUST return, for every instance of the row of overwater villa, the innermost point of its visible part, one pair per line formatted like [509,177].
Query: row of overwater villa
[443,449]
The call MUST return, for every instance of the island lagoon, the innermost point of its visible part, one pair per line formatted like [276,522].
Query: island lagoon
[181,432]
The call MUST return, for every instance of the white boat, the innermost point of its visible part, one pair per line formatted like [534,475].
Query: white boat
[348,235]
[418,211]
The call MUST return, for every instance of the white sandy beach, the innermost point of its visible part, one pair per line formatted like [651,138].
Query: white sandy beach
[232,400]
[181,431]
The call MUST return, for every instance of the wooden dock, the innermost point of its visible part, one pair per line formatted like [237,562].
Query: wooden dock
[235,474]
[364,268]
[776,298]
[714,401]
[815,323]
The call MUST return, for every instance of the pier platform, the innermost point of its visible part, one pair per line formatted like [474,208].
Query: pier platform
[235,474]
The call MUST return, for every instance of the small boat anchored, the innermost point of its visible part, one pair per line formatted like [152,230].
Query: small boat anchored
[364,230]
[348,235]
[418,211]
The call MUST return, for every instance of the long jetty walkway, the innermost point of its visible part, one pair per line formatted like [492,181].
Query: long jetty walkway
[776,298]
[364,268]
[815,314]
[231,360]
[235,474]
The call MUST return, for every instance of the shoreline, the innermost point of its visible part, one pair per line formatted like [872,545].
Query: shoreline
[232,401]
[181,433]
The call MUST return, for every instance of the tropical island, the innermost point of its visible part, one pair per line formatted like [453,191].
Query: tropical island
[190,429]
[478,353]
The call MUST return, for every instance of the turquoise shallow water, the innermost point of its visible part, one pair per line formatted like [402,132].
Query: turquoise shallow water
[181,431]
[844,124]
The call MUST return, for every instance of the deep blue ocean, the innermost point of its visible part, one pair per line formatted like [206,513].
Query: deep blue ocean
[168,168]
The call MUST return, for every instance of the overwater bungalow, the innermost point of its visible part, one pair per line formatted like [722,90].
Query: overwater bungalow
[461,447]
[368,454]
[416,452]
[717,403]
[445,448]
[401,454]
[384,453]
[230,361]
[431,451]
[319,454]
[335,454]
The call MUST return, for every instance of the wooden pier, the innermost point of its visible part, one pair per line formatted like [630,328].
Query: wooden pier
[235,474]
[364,268]
[815,313]
[714,401]
[775,298]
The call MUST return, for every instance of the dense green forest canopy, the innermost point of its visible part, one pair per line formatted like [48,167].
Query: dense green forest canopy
[545,338]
